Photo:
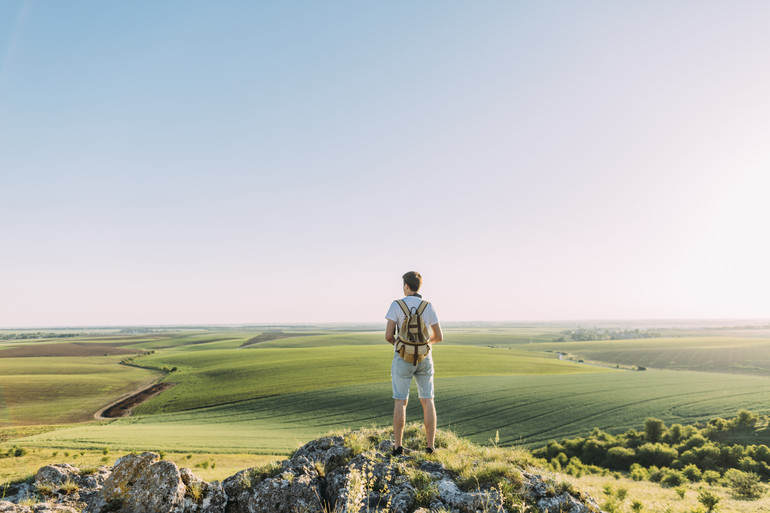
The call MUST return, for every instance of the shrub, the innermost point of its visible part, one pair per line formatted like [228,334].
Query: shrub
[743,485]
[653,429]
[711,477]
[672,478]
[656,474]
[680,491]
[619,458]
[656,454]
[692,473]
[708,499]
[638,473]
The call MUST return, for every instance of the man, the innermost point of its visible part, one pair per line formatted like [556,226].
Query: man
[401,372]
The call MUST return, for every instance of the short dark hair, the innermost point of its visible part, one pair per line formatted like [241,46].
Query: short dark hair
[413,279]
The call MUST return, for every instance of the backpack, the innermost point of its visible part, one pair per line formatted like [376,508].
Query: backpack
[412,339]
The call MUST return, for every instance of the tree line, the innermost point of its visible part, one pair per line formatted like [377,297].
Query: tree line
[672,455]
[587,334]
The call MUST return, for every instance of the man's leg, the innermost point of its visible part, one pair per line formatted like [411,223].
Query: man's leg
[399,420]
[429,418]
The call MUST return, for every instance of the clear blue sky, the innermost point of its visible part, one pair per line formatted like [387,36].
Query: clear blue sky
[230,162]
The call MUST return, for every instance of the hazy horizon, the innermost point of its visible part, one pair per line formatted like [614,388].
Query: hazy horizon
[189,163]
[759,323]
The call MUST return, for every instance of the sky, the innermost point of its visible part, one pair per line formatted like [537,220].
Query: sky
[195,162]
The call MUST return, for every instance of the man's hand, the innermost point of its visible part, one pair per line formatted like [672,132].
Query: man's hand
[390,332]
[436,335]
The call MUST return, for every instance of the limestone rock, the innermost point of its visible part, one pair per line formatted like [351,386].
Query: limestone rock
[10,507]
[564,502]
[329,451]
[321,476]
[295,488]
[142,483]
[159,489]
[200,496]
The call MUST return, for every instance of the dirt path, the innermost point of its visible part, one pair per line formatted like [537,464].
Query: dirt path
[123,406]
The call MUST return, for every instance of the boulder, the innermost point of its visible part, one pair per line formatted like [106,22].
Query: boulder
[200,496]
[142,483]
[295,488]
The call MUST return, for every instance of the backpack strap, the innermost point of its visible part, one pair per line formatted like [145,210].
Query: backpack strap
[422,307]
[403,306]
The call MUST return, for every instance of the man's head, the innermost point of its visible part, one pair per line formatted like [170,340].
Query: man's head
[413,280]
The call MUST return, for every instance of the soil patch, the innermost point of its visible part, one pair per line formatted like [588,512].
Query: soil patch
[123,408]
[65,349]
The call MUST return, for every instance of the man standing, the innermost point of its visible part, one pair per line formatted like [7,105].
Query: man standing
[401,372]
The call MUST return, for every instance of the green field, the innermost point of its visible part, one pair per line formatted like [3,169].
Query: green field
[524,409]
[724,354]
[279,392]
[51,390]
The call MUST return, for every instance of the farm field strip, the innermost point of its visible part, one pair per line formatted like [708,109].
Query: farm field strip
[525,409]
[48,390]
[709,354]
[208,378]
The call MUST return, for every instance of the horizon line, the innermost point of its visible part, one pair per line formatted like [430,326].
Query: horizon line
[759,321]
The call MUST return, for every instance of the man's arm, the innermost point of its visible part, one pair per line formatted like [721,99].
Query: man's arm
[390,332]
[436,335]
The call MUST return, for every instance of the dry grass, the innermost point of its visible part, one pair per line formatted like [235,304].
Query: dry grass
[661,500]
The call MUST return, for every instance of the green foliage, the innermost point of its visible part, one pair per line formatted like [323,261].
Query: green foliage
[638,472]
[708,499]
[692,472]
[672,478]
[426,490]
[654,429]
[711,477]
[743,485]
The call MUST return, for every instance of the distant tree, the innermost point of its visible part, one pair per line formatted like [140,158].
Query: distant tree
[653,429]
[746,419]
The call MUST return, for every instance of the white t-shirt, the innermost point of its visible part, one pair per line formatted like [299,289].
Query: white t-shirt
[412,302]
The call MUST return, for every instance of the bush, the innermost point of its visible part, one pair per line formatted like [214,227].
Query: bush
[638,473]
[692,473]
[656,454]
[619,458]
[743,485]
[708,499]
[656,474]
[711,477]
[672,478]
[654,429]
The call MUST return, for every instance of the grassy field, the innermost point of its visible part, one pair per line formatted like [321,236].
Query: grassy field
[654,498]
[523,409]
[281,391]
[217,376]
[54,390]
[715,353]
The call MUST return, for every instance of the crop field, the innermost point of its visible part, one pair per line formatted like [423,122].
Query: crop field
[49,390]
[524,410]
[729,354]
[211,377]
[286,388]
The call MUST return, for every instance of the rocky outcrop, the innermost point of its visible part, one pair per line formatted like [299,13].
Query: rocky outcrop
[325,475]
